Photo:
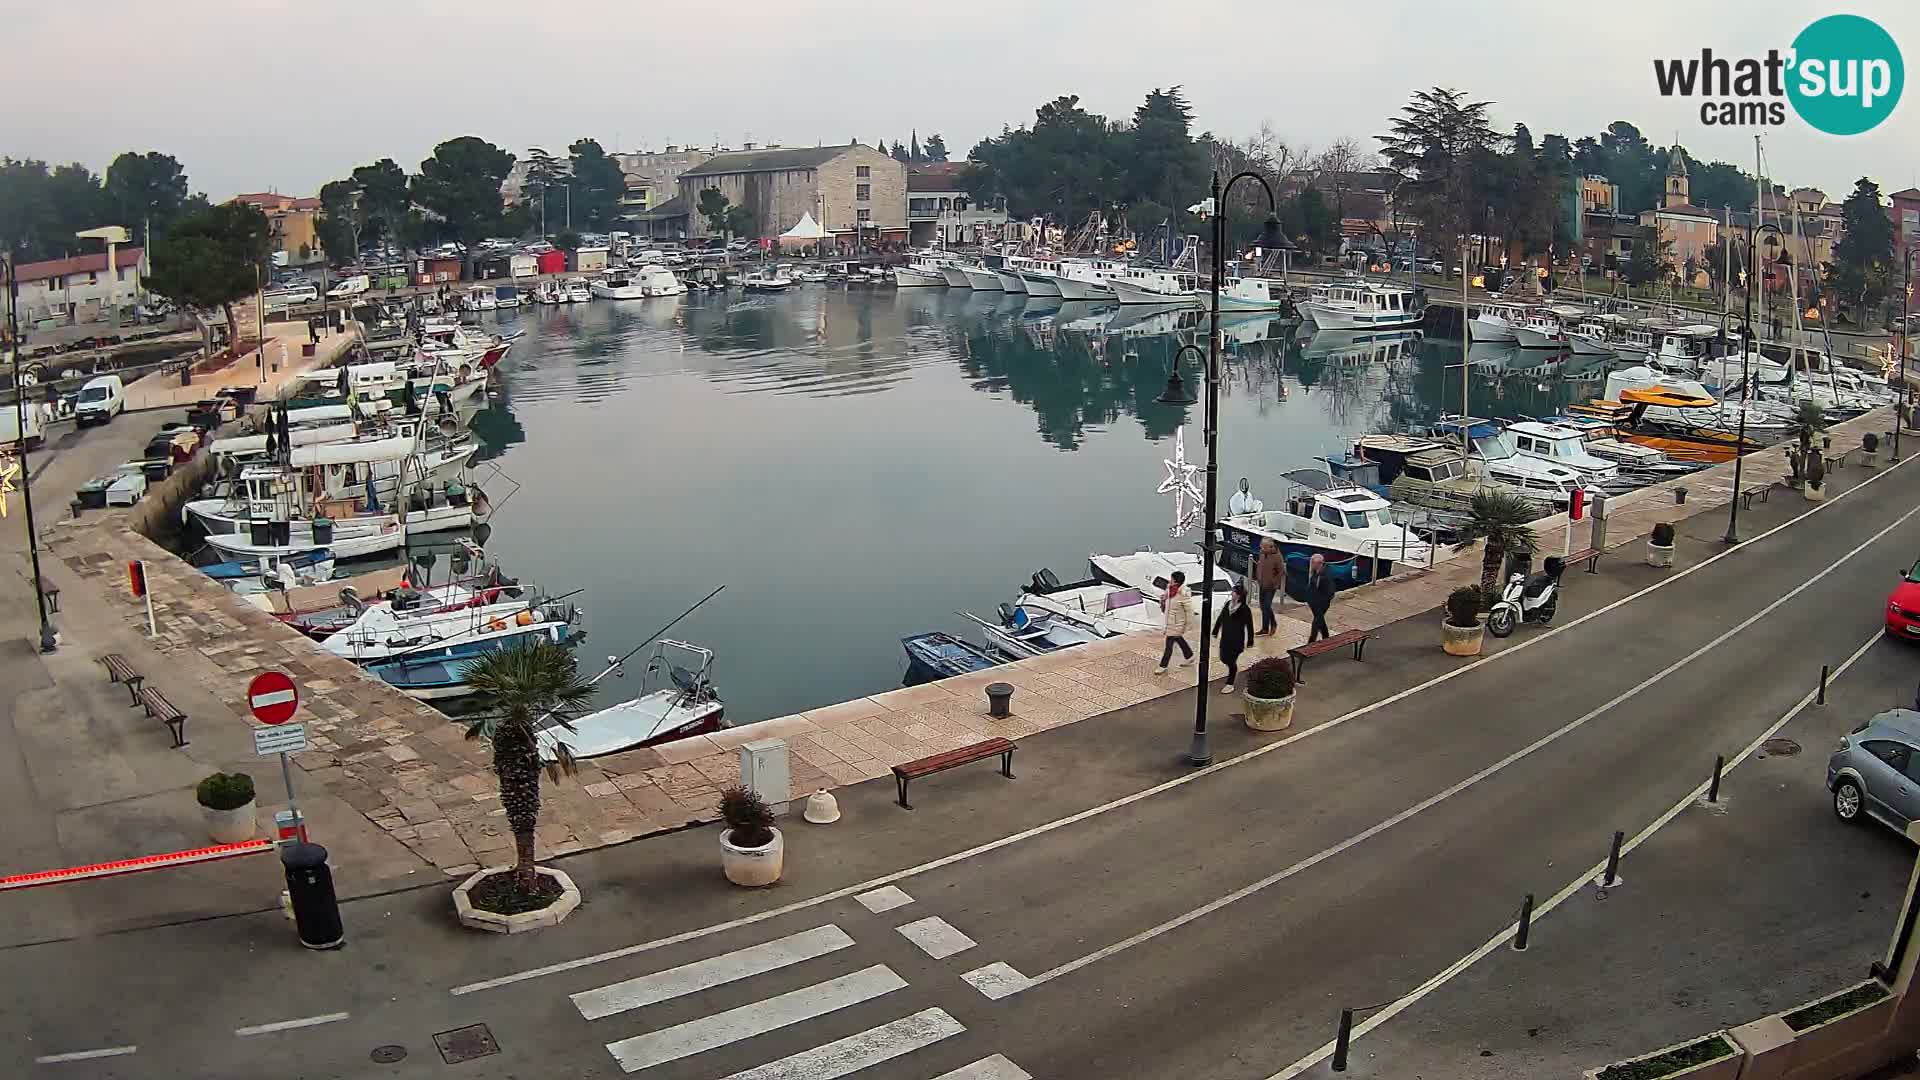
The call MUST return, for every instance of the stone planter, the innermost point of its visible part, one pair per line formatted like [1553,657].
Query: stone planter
[551,915]
[752,867]
[1462,640]
[1845,1040]
[1720,1068]
[1813,493]
[1269,714]
[230,826]
[1869,459]
[1659,555]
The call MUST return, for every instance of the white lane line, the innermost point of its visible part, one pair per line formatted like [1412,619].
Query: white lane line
[1449,792]
[996,981]
[1157,789]
[886,899]
[720,1029]
[713,971]
[996,1067]
[855,1052]
[1572,888]
[289,1025]
[85,1055]
[936,937]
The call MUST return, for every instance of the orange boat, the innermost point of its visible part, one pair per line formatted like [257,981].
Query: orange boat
[1679,439]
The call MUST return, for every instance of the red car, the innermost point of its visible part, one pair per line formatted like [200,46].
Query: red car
[1903,606]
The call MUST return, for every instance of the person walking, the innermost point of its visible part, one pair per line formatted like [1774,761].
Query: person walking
[1235,627]
[1178,613]
[1319,597]
[1269,573]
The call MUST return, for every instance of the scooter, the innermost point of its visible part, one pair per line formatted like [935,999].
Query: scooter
[1527,599]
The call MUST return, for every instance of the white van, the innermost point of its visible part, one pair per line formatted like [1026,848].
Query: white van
[33,435]
[352,286]
[101,400]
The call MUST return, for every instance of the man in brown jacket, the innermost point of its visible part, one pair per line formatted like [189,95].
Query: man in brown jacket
[1269,572]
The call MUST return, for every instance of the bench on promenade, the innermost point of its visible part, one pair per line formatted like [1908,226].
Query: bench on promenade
[118,670]
[1300,654]
[164,711]
[1590,556]
[980,751]
[1764,492]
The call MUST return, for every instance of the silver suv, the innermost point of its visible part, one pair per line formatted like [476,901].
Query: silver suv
[1876,770]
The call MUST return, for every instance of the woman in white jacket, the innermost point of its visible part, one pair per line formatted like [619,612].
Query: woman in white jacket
[1178,614]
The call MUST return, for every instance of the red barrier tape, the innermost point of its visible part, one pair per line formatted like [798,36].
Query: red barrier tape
[133,866]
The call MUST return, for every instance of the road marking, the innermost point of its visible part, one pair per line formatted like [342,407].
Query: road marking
[996,981]
[720,1029]
[886,899]
[936,937]
[713,971]
[1572,888]
[874,884]
[856,1052]
[289,1025]
[996,1067]
[85,1055]
[1449,792]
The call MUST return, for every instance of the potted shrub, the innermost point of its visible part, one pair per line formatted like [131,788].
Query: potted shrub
[1869,450]
[751,849]
[1660,545]
[1269,695]
[1815,488]
[1462,631]
[226,801]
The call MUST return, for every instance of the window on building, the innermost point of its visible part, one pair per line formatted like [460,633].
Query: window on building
[866,215]
[960,205]
[946,204]
[862,192]
[863,171]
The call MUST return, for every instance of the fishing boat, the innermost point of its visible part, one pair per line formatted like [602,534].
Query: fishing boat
[437,670]
[578,291]
[937,655]
[480,298]
[955,274]
[1493,323]
[1364,305]
[1540,329]
[1683,348]
[1566,447]
[1593,335]
[1088,278]
[246,576]
[922,270]
[1434,476]
[677,700]
[1492,455]
[387,633]
[981,279]
[1254,293]
[1038,274]
[357,480]
[1633,458]
[1169,286]
[656,280]
[766,280]
[618,283]
[1347,524]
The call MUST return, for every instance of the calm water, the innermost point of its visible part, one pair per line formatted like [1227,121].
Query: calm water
[857,465]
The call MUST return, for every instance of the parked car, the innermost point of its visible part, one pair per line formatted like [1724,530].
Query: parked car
[1903,606]
[101,400]
[1873,770]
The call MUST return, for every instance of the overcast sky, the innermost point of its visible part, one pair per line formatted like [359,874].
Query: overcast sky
[261,94]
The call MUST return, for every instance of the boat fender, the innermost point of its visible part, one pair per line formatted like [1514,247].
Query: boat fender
[525,618]
[497,625]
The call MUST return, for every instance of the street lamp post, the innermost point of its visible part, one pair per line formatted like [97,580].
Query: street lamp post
[47,636]
[1199,754]
[1900,376]
[1746,382]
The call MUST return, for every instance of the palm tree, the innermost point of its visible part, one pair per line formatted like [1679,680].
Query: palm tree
[527,683]
[1809,420]
[1501,519]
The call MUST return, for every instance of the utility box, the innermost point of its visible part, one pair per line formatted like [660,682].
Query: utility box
[1598,511]
[763,771]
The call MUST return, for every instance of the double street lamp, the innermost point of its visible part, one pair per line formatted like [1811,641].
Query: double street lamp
[1176,394]
[47,636]
[1747,346]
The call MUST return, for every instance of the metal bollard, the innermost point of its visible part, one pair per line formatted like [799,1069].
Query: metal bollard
[1713,789]
[1526,924]
[1341,1040]
[1613,862]
[1824,672]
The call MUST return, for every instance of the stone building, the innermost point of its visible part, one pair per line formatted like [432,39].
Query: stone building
[855,192]
[653,176]
[1689,229]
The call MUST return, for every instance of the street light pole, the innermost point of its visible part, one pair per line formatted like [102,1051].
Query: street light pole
[47,636]
[1746,383]
[1900,376]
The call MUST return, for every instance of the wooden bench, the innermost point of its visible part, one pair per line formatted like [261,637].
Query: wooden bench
[1763,492]
[941,762]
[1590,556]
[164,711]
[1302,653]
[118,670]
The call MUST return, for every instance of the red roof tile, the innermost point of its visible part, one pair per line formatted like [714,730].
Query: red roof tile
[78,264]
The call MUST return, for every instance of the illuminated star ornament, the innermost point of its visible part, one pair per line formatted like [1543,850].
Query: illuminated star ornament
[1180,474]
[9,468]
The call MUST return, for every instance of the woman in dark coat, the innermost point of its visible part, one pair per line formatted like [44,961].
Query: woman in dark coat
[1235,627]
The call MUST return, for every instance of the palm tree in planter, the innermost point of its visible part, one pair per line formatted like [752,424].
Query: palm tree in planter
[1502,520]
[527,684]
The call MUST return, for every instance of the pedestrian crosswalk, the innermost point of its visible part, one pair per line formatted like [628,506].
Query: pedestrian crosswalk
[787,960]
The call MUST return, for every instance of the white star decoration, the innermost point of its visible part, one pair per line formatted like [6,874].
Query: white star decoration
[1180,474]
[9,468]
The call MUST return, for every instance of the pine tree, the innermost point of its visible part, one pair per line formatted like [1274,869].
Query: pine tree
[1863,270]
[913,147]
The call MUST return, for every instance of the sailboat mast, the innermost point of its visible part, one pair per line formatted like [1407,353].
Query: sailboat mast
[1466,444]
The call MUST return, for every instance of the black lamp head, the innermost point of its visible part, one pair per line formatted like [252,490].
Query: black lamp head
[1176,391]
[1270,236]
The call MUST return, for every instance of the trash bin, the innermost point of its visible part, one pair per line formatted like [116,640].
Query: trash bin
[186,374]
[316,913]
[322,531]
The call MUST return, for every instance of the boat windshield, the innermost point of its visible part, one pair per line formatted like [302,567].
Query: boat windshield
[1360,519]
[1495,446]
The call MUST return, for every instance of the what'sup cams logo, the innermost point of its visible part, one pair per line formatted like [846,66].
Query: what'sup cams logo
[1843,75]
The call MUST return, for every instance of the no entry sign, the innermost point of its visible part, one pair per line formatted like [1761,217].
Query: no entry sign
[273,697]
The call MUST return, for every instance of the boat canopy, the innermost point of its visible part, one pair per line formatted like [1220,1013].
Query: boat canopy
[394,449]
[1665,395]
[257,444]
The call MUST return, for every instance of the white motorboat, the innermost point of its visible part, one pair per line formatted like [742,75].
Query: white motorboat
[1491,454]
[981,279]
[479,298]
[956,275]
[1563,446]
[766,279]
[1148,572]
[1692,408]
[1351,526]
[1094,603]
[676,700]
[549,293]
[1161,286]
[434,667]
[1683,348]
[506,296]
[1024,631]
[578,291]
[1254,294]
[925,269]
[382,631]
[619,283]
[1037,274]
[1492,323]
[1364,305]
[656,280]
[1088,278]
[1593,336]
[1638,341]
[372,534]
[1540,329]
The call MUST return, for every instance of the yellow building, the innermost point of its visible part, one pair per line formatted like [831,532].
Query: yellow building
[292,223]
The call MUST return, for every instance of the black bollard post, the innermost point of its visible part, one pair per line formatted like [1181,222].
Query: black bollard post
[316,912]
[1341,1040]
[1613,862]
[1526,924]
[1713,789]
[1824,670]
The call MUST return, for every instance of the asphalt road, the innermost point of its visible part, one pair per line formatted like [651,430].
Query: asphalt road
[1193,924]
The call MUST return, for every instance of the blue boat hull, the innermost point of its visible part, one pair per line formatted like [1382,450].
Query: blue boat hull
[1237,548]
[939,656]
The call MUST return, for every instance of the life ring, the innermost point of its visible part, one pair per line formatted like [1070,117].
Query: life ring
[497,625]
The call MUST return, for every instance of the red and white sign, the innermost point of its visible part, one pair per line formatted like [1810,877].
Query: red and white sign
[273,697]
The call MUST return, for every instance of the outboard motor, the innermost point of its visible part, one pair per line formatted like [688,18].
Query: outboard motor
[1045,581]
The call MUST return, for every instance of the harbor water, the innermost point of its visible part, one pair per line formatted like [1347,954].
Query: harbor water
[856,465]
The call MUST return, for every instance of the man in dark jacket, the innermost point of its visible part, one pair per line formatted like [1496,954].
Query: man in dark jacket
[1269,572]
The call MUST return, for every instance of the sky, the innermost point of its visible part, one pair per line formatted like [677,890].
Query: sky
[266,95]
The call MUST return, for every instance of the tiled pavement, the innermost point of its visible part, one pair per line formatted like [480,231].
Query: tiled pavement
[412,772]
